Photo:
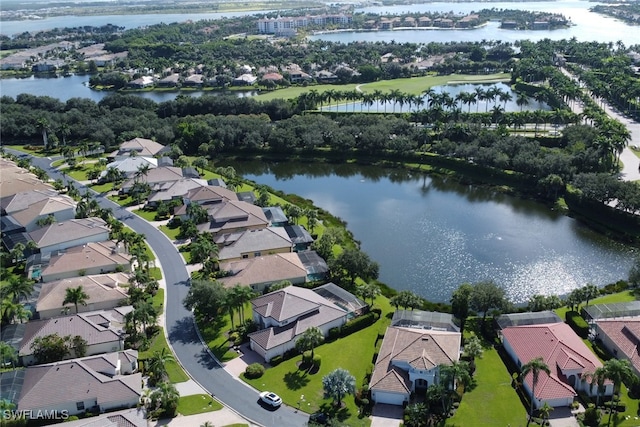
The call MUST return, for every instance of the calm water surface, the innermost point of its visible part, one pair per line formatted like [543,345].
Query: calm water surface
[429,235]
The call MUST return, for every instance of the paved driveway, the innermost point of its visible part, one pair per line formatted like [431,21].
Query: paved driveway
[386,415]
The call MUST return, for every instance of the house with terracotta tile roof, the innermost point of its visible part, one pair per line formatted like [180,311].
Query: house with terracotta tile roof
[105,291]
[261,272]
[566,355]
[96,384]
[90,259]
[233,216]
[253,243]
[285,314]
[409,359]
[622,338]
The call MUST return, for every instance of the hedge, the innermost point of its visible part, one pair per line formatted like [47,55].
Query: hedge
[577,323]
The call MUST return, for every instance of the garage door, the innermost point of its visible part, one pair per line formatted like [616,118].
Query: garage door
[388,398]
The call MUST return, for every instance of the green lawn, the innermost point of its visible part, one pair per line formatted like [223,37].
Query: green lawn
[214,333]
[174,370]
[414,85]
[146,214]
[102,188]
[172,233]
[158,299]
[353,353]
[197,404]
[23,148]
[124,202]
[155,273]
[493,402]
[79,173]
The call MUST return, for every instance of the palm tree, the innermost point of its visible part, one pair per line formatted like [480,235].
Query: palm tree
[369,290]
[544,412]
[618,371]
[17,288]
[337,384]
[157,364]
[75,296]
[309,340]
[534,367]
[597,378]
[456,373]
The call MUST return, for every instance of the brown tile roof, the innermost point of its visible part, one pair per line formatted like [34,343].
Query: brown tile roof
[93,254]
[232,215]
[418,348]
[157,176]
[559,347]
[15,180]
[100,288]
[67,231]
[175,189]
[210,193]
[302,307]
[264,269]
[261,240]
[61,383]
[77,324]
[625,334]
[144,147]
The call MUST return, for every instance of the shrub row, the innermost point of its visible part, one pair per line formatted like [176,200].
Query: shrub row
[354,325]
[577,323]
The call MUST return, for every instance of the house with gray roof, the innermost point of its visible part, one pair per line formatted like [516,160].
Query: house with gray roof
[156,178]
[141,147]
[285,314]
[128,166]
[67,234]
[22,200]
[409,360]
[300,237]
[101,329]
[59,207]
[85,260]
[174,190]
[253,243]
[276,216]
[89,384]
[233,216]
[261,272]
[105,292]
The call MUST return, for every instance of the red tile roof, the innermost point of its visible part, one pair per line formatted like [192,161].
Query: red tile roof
[559,347]
[625,334]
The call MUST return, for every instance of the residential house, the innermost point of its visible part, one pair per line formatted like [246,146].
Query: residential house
[468,21]
[90,259]
[299,236]
[17,180]
[101,329]
[276,216]
[261,272]
[324,76]
[566,355]
[129,166]
[244,80]
[142,147]
[424,21]
[411,354]
[172,80]
[622,338]
[155,178]
[67,234]
[89,384]
[104,292]
[141,82]
[206,196]
[315,265]
[409,360]
[173,190]
[61,208]
[273,77]
[253,243]
[527,319]
[194,80]
[233,216]
[285,314]
[20,201]
[298,76]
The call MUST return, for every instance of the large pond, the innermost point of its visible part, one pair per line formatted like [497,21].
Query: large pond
[453,90]
[430,235]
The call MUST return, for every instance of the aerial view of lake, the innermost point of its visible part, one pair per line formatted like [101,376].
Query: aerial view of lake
[430,235]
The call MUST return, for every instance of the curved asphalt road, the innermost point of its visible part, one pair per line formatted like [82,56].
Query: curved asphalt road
[179,322]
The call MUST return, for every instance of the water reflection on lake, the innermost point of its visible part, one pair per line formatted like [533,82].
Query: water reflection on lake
[430,234]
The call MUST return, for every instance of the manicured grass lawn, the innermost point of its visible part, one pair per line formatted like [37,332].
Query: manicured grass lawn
[414,85]
[197,404]
[146,214]
[122,202]
[214,334]
[493,402]
[172,233]
[102,188]
[353,353]
[174,370]
[186,254]
[158,299]
[78,173]
[58,163]
[155,273]
[26,150]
